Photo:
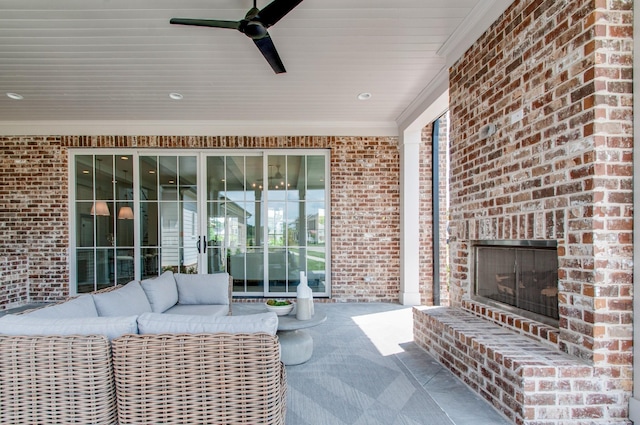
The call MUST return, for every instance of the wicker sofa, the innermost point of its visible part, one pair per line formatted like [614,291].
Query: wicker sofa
[179,369]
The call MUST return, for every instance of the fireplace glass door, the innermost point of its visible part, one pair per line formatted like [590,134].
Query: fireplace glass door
[525,278]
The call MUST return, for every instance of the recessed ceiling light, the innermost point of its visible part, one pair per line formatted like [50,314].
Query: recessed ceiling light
[364,96]
[176,96]
[15,96]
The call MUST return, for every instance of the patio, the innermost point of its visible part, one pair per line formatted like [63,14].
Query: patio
[366,369]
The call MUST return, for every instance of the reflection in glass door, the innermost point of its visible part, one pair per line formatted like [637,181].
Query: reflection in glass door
[295,231]
[169,227]
[104,236]
[234,220]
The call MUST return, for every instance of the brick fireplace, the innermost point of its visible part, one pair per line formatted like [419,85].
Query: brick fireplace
[555,77]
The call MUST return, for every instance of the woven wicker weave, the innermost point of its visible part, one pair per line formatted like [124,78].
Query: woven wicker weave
[199,379]
[56,380]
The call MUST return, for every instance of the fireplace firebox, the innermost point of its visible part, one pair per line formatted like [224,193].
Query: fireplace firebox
[520,276]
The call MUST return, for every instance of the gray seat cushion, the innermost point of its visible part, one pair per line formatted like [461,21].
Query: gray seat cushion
[126,301]
[199,310]
[153,323]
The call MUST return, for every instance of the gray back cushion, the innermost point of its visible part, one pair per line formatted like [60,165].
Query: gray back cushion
[126,301]
[82,306]
[203,288]
[161,292]
[153,323]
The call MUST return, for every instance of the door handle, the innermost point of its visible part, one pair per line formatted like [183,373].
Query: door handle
[202,248]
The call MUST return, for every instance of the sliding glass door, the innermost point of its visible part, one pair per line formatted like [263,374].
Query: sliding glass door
[259,215]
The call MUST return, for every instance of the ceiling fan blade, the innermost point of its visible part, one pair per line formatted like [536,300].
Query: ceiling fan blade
[268,50]
[206,23]
[276,10]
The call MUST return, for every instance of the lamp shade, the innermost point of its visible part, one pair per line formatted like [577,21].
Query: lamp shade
[100,208]
[125,213]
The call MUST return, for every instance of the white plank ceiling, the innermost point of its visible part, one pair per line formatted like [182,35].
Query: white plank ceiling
[90,60]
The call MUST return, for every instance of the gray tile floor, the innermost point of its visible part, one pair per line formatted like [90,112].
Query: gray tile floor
[390,327]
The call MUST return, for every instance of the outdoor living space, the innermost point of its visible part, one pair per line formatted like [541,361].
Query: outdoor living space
[456,180]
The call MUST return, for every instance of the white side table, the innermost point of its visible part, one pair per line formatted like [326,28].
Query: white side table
[296,343]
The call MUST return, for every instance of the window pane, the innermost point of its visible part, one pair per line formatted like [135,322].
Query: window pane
[316,266]
[189,237]
[277,270]
[253,226]
[169,229]
[315,223]
[84,177]
[124,177]
[148,178]
[216,228]
[188,171]
[124,266]
[234,178]
[84,224]
[104,177]
[149,223]
[216,256]
[253,179]
[124,225]
[150,265]
[315,178]
[276,177]
[215,177]
[170,259]
[168,178]
[104,268]
[276,223]
[104,228]
[85,268]
[295,230]
[295,178]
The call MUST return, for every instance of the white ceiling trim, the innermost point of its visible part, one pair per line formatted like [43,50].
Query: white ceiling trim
[197,128]
[430,103]
[483,15]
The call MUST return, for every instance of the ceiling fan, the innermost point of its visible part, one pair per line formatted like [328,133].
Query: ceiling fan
[254,25]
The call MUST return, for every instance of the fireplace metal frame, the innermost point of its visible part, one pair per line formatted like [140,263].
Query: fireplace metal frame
[540,244]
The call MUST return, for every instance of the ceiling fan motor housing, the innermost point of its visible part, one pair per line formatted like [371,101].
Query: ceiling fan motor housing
[253,29]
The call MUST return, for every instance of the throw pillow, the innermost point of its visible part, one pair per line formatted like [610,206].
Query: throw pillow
[161,291]
[82,306]
[125,301]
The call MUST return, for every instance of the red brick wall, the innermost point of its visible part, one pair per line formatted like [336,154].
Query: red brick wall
[34,209]
[426,215]
[563,172]
[33,219]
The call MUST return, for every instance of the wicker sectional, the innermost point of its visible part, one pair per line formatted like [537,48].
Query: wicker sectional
[165,378]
